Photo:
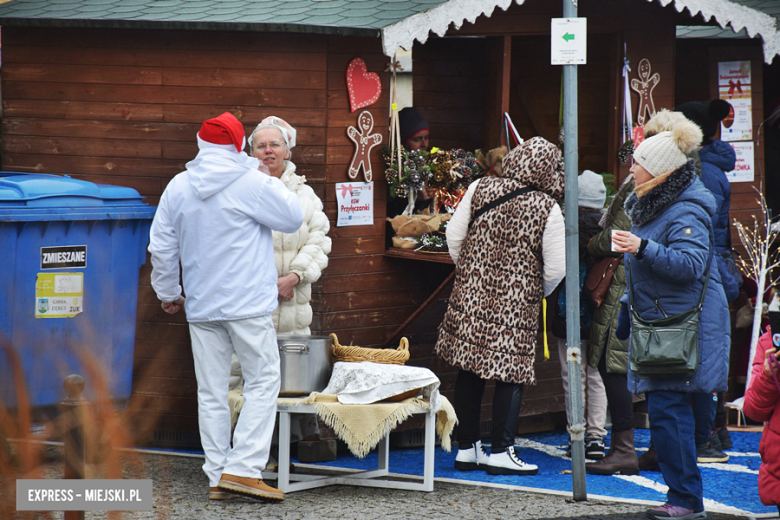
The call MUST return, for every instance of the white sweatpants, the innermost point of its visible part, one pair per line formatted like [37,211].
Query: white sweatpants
[594,396]
[254,341]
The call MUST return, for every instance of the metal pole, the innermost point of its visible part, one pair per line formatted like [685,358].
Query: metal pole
[573,352]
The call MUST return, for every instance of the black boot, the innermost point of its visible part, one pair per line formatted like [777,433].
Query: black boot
[725,438]
[649,461]
[621,459]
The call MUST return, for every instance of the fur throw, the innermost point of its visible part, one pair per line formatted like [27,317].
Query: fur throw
[642,210]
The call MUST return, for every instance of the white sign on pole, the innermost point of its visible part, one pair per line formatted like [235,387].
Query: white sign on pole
[356,203]
[568,43]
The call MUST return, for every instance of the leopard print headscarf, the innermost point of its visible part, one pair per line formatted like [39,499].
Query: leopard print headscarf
[536,163]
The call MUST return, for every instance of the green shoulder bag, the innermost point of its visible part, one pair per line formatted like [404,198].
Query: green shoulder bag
[669,346]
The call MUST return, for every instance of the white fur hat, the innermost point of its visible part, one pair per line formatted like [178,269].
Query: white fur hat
[667,151]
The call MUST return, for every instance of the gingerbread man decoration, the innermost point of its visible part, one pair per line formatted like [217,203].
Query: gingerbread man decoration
[644,87]
[364,141]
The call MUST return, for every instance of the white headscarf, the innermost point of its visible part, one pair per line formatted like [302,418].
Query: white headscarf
[288,132]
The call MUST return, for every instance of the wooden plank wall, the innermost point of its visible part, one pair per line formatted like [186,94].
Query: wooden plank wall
[647,29]
[697,67]
[449,77]
[365,296]
[743,194]
[123,107]
[535,95]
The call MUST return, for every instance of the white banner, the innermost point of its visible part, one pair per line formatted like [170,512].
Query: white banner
[356,203]
[734,86]
[744,169]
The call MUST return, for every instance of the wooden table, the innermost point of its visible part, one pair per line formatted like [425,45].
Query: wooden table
[357,478]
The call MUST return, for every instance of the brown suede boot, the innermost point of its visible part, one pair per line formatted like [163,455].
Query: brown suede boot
[649,461]
[621,459]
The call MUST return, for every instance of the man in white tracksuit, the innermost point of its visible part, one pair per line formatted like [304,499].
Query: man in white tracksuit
[216,219]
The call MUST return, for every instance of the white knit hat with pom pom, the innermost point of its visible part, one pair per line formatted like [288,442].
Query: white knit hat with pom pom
[666,151]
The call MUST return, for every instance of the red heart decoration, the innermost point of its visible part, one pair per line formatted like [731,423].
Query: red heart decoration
[364,87]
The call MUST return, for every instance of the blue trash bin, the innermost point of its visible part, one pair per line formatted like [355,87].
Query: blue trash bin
[70,253]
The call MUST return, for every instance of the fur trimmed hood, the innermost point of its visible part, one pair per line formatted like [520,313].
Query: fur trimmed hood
[679,186]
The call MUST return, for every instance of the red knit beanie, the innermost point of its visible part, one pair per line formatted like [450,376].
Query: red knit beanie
[225,129]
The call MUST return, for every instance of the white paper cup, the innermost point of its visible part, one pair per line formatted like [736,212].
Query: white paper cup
[614,247]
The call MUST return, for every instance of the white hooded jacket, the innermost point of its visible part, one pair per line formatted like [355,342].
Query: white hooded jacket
[216,218]
[303,252]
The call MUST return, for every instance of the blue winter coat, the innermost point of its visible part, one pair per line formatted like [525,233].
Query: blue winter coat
[717,158]
[675,218]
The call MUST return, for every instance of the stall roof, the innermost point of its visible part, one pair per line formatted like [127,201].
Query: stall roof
[398,22]
[727,13]
[769,7]
[361,17]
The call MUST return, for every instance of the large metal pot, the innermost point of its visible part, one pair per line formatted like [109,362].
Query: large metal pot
[306,363]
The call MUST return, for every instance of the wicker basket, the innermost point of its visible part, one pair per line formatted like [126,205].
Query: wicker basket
[387,356]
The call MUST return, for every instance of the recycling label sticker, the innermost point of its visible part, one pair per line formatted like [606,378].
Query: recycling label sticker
[59,295]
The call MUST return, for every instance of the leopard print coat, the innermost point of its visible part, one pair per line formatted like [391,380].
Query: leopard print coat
[491,324]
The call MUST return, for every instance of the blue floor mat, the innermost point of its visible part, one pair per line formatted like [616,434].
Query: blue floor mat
[737,489]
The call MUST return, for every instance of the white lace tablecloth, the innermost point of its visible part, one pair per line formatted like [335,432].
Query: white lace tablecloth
[367,382]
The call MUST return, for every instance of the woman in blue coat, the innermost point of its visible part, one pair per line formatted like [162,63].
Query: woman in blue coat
[667,253]
[717,158]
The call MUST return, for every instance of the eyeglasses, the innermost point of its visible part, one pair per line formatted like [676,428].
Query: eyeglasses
[275,145]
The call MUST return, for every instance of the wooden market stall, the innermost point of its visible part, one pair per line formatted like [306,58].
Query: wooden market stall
[519,79]
[94,94]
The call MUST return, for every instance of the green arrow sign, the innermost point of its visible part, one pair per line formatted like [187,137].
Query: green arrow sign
[568,37]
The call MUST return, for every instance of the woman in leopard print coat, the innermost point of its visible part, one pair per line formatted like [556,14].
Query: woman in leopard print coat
[507,258]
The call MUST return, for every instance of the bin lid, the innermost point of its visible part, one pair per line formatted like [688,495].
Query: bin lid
[35,196]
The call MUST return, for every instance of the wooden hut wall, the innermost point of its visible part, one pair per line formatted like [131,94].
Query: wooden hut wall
[123,107]
[535,95]
[702,56]
[646,29]
[365,295]
[450,77]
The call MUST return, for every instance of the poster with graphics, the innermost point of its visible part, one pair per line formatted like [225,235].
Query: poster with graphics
[734,87]
[743,170]
[356,203]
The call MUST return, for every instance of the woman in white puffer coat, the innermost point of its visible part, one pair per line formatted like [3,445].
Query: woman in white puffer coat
[301,256]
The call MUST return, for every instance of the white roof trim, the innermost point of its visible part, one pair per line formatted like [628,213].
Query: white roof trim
[437,20]
[727,13]
[731,15]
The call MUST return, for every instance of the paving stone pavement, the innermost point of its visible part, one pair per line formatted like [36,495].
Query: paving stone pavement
[181,492]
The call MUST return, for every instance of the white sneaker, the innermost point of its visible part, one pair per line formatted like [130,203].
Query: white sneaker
[509,463]
[472,458]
